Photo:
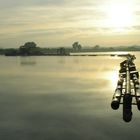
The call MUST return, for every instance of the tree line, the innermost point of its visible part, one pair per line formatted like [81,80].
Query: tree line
[31,48]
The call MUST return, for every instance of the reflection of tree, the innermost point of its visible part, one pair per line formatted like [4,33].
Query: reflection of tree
[28,61]
[61,60]
[76,46]
[76,60]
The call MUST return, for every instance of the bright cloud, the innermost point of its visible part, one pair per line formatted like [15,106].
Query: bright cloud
[61,22]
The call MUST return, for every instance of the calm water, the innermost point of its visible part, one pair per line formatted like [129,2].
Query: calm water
[62,98]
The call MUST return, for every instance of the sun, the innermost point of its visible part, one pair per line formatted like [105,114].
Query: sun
[119,16]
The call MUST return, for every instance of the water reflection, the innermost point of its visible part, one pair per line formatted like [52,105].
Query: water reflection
[61,59]
[28,60]
[113,77]
[61,101]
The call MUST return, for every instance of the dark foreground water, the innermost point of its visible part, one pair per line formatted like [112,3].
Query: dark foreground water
[62,98]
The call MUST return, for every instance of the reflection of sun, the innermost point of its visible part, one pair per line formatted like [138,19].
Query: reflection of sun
[112,76]
[119,15]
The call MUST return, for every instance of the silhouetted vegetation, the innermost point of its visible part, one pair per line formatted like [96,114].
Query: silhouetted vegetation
[76,47]
[61,51]
[2,51]
[31,48]
[11,51]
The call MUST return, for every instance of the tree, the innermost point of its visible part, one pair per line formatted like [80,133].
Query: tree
[11,52]
[96,47]
[29,48]
[76,46]
[30,45]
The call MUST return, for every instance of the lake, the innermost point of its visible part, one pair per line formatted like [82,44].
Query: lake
[62,98]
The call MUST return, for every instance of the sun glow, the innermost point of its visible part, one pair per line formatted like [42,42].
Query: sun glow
[119,16]
[112,76]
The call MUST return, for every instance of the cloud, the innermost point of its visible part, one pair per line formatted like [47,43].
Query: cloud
[136,27]
[51,18]
[26,3]
[37,18]
[20,3]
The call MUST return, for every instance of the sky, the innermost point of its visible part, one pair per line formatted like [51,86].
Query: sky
[54,23]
